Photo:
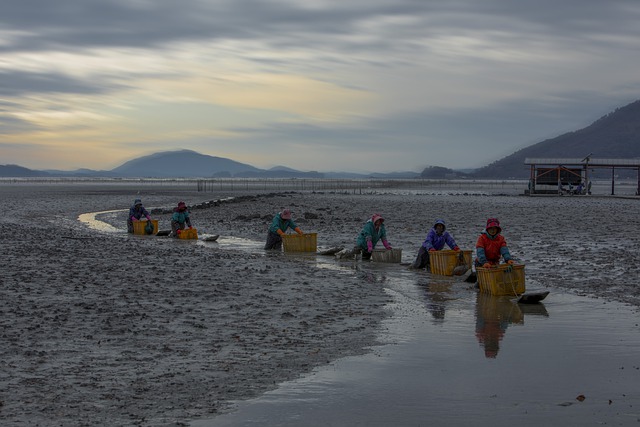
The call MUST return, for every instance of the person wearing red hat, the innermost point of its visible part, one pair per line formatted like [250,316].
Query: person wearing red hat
[372,232]
[491,246]
[180,219]
[281,222]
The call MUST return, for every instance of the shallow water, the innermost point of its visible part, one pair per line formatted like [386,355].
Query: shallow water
[90,219]
[452,356]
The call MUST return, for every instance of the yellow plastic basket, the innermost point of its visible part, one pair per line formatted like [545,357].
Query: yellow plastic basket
[500,281]
[139,226]
[445,261]
[307,242]
[188,233]
[387,255]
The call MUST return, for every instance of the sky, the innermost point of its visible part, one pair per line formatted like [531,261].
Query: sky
[314,85]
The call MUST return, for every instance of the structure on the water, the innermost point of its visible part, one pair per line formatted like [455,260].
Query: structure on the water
[567,175]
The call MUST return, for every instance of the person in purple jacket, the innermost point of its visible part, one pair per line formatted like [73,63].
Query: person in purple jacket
[136,212]
[435,241]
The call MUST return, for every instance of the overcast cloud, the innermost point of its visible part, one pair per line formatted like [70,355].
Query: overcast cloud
[327,85]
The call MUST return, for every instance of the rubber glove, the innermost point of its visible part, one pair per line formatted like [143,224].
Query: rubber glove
[386,245]
[369,246]
[486,265]
[133,218]
[280,232]
[455,248]
[432,249]
[297,230]
[190,227]
[178,231]
[511,262]
[148,218]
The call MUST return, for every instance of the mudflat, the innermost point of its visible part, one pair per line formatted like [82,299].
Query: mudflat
[106,328]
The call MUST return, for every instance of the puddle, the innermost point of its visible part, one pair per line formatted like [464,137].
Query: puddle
[235,243]
[90,220]
[455,357]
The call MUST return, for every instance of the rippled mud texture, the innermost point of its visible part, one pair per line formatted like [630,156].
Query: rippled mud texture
[112,329]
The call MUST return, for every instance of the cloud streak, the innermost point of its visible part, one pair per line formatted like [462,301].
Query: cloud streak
[317,85]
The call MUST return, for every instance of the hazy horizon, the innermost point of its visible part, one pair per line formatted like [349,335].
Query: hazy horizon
[362,86]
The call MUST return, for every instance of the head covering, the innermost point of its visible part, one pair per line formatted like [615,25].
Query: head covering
[137,202]
[182,206]
[377,217]
[493,222]
[440,221]
[285,214]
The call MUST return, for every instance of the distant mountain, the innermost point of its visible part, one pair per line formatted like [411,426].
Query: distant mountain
[15,171]
[394,175]
[438,172]
[614,136]
[181,164]
[80,173]
[279,174]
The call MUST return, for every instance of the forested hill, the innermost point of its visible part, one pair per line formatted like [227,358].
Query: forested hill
[616,135]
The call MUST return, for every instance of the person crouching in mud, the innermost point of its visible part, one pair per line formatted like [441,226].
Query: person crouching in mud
[136,212]
[281,222]
[491,246]
[180,219]
[436,238]
[372,232]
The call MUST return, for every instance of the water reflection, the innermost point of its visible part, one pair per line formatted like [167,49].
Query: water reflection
[493,317]
[429,372]
[437,295]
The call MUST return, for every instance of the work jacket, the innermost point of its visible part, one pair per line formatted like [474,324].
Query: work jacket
[490,249]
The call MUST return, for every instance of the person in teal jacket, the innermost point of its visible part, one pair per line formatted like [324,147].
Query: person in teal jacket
[372,232]
[180,219]
[281,222]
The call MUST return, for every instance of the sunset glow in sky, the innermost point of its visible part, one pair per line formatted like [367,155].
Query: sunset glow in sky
[326,85]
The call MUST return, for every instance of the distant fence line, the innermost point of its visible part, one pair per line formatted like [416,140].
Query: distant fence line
[359,185]
[350,185]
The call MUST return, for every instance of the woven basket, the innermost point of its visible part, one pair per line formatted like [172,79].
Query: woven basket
[188,233]
[139,226]
[307,242]
[501,280]
[445,261]
[387,255]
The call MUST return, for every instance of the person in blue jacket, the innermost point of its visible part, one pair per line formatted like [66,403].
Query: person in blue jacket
[437,237]
[372,232]
[279,225]
[136,212]
[180,219]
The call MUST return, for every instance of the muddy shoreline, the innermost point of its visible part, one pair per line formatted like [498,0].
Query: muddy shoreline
[111,329]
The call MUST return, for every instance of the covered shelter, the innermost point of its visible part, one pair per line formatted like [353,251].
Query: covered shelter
[554,175]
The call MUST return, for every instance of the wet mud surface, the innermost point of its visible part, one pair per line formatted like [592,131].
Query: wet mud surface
[100,327]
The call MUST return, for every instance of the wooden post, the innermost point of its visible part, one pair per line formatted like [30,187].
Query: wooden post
[613,175]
